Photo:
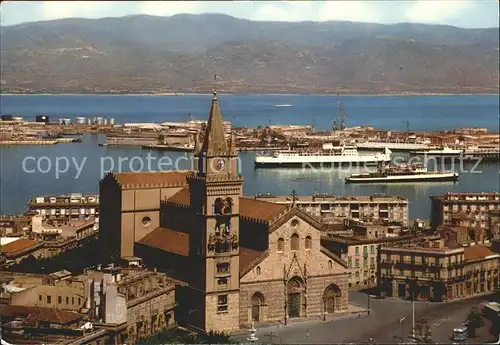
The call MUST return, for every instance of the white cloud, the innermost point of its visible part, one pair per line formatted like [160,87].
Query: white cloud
[437,11]
[359,11]
[80,9]
[169,8]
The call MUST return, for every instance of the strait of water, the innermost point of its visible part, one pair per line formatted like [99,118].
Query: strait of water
[425,113]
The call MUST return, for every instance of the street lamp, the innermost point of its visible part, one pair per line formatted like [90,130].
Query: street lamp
[401,322]
[252,338]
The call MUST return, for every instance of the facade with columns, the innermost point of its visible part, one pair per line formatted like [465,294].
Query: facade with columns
[241,259]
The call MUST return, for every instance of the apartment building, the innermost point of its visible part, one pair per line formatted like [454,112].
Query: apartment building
[335,208]
[127,304]
[494,225]
[431,271]
[74,205]
[474,207]
[361,255]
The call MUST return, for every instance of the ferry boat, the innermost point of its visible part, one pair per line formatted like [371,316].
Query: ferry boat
[439,152]
[412,143]
[402,173]
[329,156]
[481,153]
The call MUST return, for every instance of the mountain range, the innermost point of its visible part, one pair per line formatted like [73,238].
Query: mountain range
[182,53]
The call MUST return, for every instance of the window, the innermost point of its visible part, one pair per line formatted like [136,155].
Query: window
[372,262]
[349,262]
[372,249]
[223,267]
[357,262]
[281,245]
[365,250]
[72,300]
[308,242]
[294,242]
[295,223]
[357,250]
[222,282]
[79,300]
[330,264]
[67,300]
[39,297]
[59,299]
[222,303]
[365,262]
[257,270]
[49,299]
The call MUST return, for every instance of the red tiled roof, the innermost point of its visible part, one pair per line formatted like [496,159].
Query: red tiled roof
[18,245]
[168,240]
[40,314]
[182,197]
[248,257]
[477,252]
[250,208]
[260,210]
[152,178]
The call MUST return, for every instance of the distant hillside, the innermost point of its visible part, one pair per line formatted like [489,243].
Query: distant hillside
[138,54]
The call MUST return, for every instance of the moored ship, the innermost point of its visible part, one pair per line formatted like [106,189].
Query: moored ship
[402,173]
[329,156]
[411,143]
[439,152]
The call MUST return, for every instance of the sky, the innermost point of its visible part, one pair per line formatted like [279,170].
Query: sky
[464,13]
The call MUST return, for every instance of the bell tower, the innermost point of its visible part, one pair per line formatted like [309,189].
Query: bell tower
[215,189]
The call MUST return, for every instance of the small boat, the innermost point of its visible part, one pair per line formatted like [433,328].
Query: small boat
[283,105]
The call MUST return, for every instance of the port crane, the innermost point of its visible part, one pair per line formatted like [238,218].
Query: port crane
[342,117]
[407,125]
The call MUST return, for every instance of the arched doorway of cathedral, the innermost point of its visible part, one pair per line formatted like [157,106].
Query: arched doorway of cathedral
[258,303]
[294,290]
[332,298]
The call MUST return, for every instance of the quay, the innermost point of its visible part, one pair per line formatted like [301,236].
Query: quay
[28,142]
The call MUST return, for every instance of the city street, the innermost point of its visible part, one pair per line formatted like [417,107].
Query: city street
[381,326]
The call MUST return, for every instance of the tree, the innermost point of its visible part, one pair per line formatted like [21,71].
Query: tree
[176,336]
[423,333]
[474,321]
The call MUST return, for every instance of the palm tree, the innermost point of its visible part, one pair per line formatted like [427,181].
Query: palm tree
[474,321]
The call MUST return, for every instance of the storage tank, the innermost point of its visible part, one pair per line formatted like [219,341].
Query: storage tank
[99,120]
[17,118]
[66,121]
[42,118]
[60,121]
[112,121]
[105,122]
[80,120]
[89,121]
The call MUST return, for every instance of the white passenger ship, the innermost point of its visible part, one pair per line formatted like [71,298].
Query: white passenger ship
[329,156]
[412,143]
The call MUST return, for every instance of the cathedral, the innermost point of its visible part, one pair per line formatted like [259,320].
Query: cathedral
[240,259]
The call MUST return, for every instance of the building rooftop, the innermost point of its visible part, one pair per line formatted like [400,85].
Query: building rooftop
[260,210]
[478,252]
[248,257]
[482,196]
[151,179]
[36,314]
[168,240]
[18,245]
[249,208]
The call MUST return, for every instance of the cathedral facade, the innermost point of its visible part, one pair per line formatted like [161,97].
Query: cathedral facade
[242,259]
